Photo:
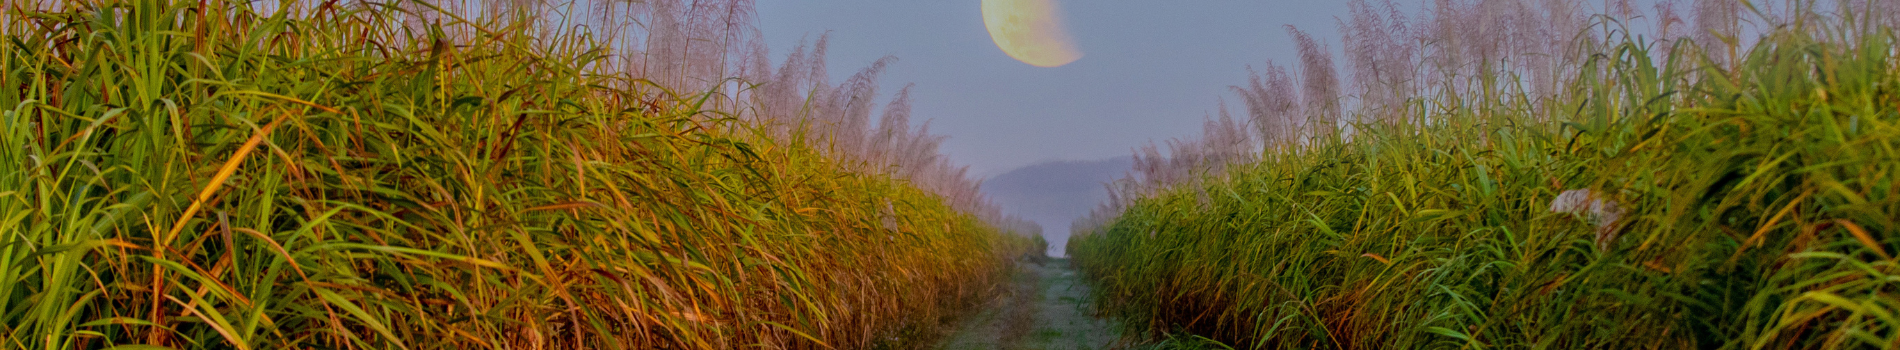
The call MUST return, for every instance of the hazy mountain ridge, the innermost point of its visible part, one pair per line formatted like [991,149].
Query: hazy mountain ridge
[1055,193]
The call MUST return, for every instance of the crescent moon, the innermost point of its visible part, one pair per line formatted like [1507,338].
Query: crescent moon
[1030,31]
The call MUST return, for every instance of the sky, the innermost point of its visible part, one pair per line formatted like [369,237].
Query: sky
[1151,70]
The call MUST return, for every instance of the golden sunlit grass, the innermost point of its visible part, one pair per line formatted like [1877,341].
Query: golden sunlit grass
[1674,200]
[350,175]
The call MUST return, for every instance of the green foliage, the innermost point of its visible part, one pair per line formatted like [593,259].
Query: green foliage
[202,175]
[1760,215]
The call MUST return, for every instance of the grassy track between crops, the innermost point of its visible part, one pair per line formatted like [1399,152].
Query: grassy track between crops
[216,174]
[1759,199]
[1044,307]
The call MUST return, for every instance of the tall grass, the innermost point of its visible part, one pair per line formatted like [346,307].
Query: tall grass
[406,175]
[1757,198]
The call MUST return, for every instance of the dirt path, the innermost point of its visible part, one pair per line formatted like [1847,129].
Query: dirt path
[1046,307]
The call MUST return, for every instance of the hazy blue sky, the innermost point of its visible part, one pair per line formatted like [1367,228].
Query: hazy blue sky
[1152,70]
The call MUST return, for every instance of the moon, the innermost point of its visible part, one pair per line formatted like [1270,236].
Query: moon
[1030,31]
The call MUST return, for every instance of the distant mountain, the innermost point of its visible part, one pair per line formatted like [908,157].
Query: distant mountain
[1054,193]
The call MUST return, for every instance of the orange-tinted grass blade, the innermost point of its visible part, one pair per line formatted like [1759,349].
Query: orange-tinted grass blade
[1865,239]
[1381,259]
[217,181]
[568,205]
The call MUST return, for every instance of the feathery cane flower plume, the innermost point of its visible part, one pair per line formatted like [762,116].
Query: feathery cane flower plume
[1379,51]
[1717,28]
[1594,207]
[1320,82]
[1272,105]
